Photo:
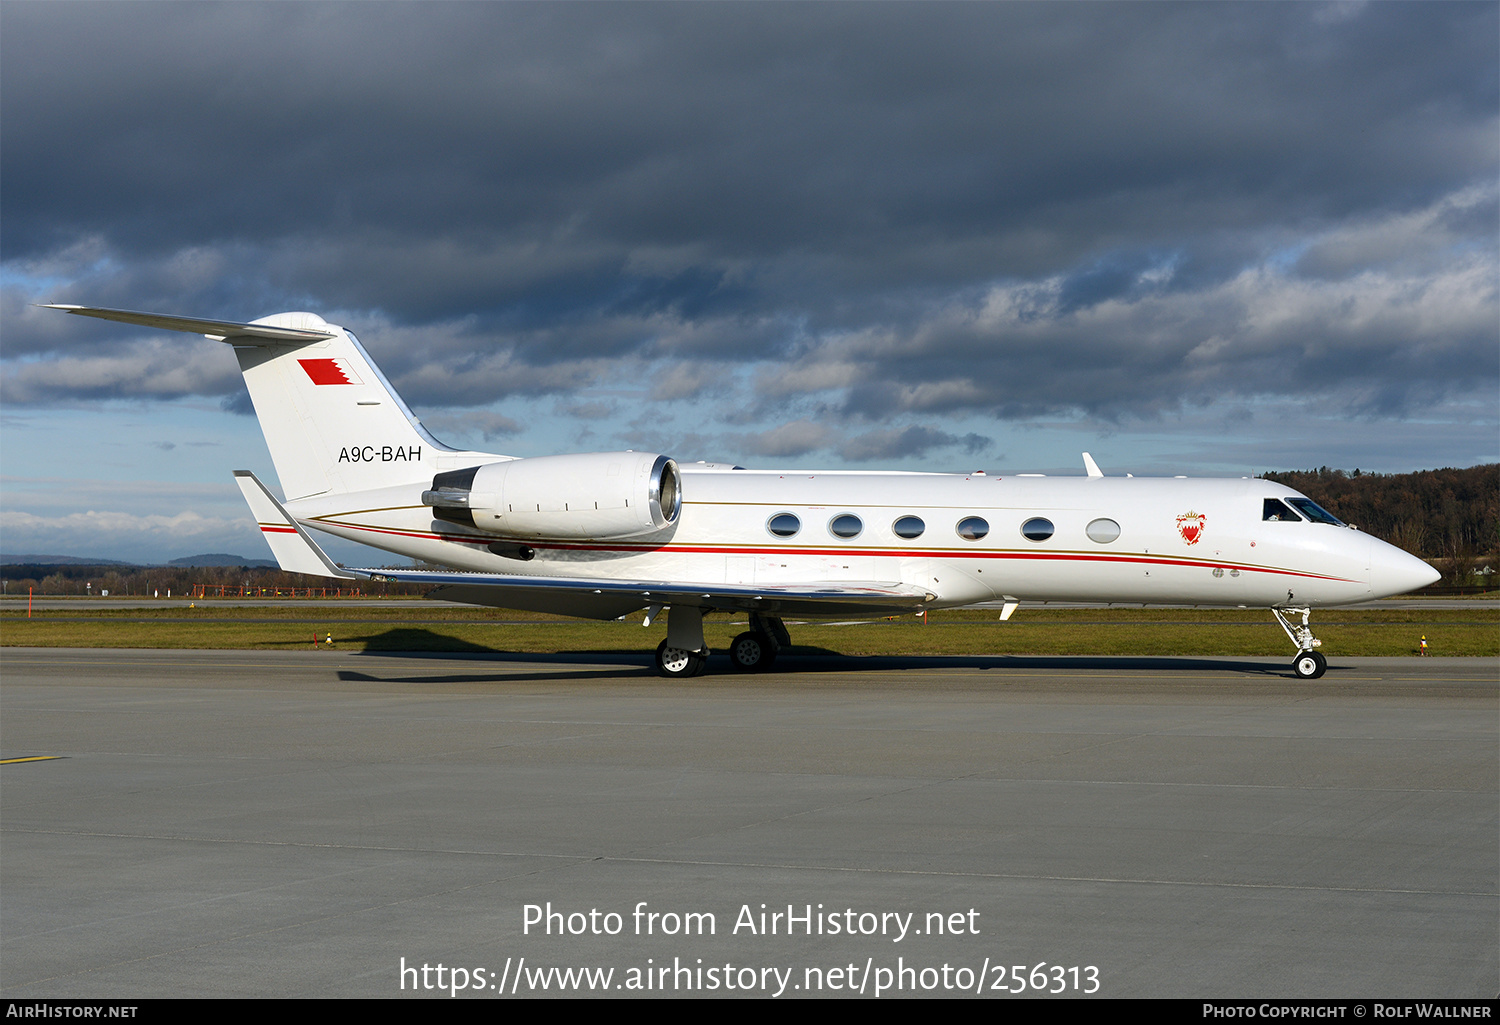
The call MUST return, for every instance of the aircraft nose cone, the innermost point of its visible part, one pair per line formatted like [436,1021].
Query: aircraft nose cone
[1393,571]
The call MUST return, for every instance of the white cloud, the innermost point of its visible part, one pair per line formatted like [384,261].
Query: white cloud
[788,440]
[150,369]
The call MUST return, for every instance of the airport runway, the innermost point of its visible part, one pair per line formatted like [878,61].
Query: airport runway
[298,823]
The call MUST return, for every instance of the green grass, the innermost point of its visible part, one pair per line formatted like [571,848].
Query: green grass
[1039,631]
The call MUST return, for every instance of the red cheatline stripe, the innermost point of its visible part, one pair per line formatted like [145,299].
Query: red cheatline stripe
[278,530]
[855,552]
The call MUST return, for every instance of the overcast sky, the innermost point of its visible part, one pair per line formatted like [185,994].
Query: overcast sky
[1189,238]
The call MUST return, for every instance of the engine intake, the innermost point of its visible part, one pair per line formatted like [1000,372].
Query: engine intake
[593,496]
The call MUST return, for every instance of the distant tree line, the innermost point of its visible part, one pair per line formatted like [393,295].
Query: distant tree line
[144,581]
[1449,517]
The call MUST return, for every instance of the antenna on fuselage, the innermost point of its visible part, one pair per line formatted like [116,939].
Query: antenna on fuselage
[1091,466]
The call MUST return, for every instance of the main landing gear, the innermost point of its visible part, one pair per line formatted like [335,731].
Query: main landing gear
[751,652]
[683,653]
[755,650]
[679,662]
[1309,663]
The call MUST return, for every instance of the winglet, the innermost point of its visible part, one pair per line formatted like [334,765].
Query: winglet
[1091,466]
[295,550]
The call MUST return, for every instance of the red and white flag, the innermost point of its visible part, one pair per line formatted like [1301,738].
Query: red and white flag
[330,371]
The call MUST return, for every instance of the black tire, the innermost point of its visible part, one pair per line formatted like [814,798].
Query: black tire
[677,663]
[1309,665]
[751,652]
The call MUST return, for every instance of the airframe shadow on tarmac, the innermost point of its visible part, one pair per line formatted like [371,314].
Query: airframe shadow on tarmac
[804,661]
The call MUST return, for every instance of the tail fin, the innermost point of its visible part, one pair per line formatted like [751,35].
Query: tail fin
[332,421]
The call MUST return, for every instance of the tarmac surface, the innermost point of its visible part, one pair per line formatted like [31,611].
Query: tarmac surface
[221,823]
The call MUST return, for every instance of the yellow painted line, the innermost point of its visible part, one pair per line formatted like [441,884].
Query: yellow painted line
[32,758]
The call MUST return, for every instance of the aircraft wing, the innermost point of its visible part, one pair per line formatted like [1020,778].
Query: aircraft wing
[610,599]
[585,597]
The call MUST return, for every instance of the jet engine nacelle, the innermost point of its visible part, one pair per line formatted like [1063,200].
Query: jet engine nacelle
[593,496]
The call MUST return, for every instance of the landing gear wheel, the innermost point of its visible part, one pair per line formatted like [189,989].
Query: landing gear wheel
[751,652]
[1309,665]
[678,663]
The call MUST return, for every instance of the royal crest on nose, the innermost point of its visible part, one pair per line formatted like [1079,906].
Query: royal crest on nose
[1190,526]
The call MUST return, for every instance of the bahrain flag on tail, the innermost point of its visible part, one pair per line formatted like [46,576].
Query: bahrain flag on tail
[330,371]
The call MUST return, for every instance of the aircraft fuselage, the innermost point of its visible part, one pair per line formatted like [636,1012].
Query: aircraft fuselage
[1112,539]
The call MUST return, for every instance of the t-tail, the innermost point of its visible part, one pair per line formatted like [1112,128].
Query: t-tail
[332,422]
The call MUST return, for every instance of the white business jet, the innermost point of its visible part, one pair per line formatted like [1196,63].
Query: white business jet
[602,535]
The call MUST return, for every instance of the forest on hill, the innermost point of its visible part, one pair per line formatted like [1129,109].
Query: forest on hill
[123,580]
[1450,517]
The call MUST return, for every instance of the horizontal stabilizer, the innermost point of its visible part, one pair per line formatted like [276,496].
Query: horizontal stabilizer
[294,548]
[220,329]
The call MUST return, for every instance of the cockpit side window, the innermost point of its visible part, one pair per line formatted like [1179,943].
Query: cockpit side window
[1315,512]
[1275,509]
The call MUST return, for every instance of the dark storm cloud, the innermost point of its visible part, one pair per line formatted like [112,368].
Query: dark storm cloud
[925,209]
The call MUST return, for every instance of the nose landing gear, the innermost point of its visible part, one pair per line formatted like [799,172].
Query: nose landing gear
[1309,664]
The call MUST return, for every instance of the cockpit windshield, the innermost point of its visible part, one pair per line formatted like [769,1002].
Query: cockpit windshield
[1315,512]
[1275,510]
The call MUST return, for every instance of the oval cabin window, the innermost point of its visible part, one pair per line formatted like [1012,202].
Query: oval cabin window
[784,525]
[846,526]
[1038,528]
[972,528]
[1102,530]
[908,527]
